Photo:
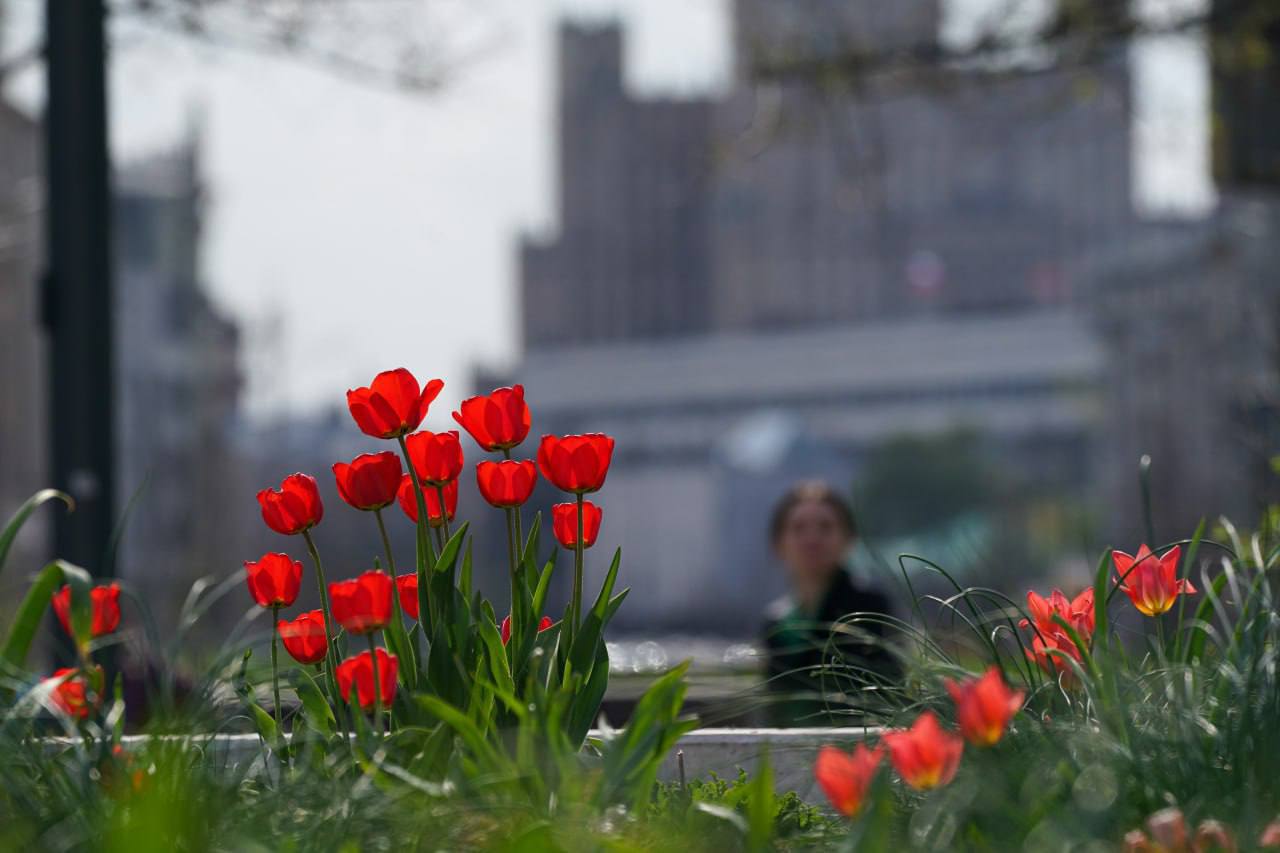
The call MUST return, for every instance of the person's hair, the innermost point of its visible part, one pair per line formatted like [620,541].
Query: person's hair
[811,490]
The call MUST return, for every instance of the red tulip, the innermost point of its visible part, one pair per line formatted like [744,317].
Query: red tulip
[362,604]
[410,505]
[407,589]
[294,507]
[564,522]
[543,624]
[436,456]
[1213,835]
[1151,582]
[925,755]
[392,405]
[74,695]
[1270,836]
[507,483]
[304,637]
[984,706]
[370,480]
[1050,636]
[358,670]
[497,421]
[845,777]
[274,580]
[104,602]
[575,463]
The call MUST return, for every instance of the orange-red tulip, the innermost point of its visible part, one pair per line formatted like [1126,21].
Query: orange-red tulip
[392,405]
[543,624]
[1151,582]
[497,421]
[304,637]
[984,706]
[74,696]
[358,670]
[925,756]
[845,777]
[273,580]
[104,602]
[369,481]
[1270,836]
[362,604]
[294,507]
[508,483]
[1050,637]
[575,463]
[407,589]
[564,523]
[410,505]
[436,456]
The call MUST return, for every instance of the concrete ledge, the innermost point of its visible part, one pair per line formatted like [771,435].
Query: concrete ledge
[702,752]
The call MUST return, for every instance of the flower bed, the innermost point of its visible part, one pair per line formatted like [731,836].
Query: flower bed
[1142,710]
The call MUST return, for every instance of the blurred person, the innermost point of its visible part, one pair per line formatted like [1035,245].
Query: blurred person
[812,530]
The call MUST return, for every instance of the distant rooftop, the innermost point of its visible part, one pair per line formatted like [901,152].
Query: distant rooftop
[889,357]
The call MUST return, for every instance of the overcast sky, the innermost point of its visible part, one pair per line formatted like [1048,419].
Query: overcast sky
[352,229]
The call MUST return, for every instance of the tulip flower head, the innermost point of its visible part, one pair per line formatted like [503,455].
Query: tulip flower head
[508,483]
[925,755]
[1051,641]
[845,777]
[362,604]
[358,671]
[575,463]
[1151,582]
[407,589]
[369,481]
[436,456]
[543,624]
[104,602]
[564,523]
[72,694]
[497,421]
[273,580]
[392,405]
[410,505]
[304,637]
[293,508]
[984,706]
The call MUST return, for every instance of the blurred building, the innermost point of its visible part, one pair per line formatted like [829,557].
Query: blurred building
[770,284]
[22,376]
[789,205]
[178,382]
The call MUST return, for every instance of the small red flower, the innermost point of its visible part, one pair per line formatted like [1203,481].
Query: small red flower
[304,637]
[1050,636]
[564,522]
[436,456]
[294,507]
[358,670]
[1151,582]
[845,777]
[507,483]
[362,604]
[407,589]
[543,624]
[1270,836]
[984,706]
[273,580]
[410,505]
[497,421]
[575,463]
[370,480]
[103,600]
[74,696]
[925,756]
[392,405]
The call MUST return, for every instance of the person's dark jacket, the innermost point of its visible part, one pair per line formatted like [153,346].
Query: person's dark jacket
[810,655]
